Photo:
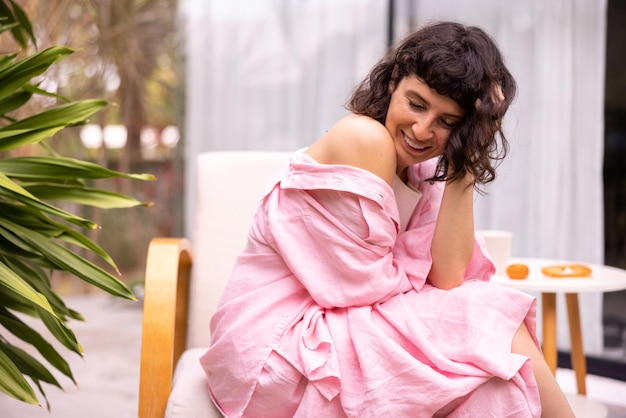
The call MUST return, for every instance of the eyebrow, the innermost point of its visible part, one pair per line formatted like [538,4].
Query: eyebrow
[414,93]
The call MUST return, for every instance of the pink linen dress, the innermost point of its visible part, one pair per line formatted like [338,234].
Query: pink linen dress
[328,312]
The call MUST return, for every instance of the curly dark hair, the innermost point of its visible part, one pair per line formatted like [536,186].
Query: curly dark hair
[462,63]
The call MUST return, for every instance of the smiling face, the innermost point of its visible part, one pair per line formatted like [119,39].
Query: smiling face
[420,121]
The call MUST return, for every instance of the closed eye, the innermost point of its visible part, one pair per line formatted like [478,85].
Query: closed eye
[415,105]
[450,124]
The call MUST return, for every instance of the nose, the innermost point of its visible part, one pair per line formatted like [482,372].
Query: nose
[423,128]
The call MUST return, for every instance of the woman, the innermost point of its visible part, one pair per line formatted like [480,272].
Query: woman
[362,291]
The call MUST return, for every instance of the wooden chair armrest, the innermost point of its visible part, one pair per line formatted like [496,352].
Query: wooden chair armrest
[164,332]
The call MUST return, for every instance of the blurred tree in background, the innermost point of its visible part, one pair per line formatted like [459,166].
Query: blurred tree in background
[126,53]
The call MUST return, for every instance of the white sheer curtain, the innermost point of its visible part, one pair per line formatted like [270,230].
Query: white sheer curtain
[549,191]
[275,74]
[272,74]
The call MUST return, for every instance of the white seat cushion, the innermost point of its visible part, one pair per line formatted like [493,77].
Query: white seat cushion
[586,408]
[190,394]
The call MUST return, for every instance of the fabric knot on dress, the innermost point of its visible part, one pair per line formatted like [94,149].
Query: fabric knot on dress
[319,358]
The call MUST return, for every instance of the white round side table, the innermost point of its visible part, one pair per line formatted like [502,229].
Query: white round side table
[602,279]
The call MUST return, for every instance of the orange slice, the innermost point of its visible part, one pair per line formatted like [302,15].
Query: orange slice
[568,270]
[517,271]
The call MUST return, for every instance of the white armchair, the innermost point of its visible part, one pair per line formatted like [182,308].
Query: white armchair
[182,291]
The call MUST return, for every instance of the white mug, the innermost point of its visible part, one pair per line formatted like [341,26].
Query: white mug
[499,247]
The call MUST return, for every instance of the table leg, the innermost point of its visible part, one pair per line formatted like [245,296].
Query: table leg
[548,305]
[579,364]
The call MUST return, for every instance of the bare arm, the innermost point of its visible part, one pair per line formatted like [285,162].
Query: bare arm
[453,239]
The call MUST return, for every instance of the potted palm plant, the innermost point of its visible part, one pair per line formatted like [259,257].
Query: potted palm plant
[37,236]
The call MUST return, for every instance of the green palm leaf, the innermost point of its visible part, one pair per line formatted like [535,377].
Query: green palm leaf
[13,382]
[61,331]
[36,221]
[28,365]
[43,125]
[16,284]
[6,60]
[14,23]
[64,259]
[21,72]
[25,333]
[60,168]
[24,22]
[14,101]
[13,191]
[82,195]
[63,115]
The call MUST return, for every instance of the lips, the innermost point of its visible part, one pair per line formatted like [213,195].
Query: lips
[414,145]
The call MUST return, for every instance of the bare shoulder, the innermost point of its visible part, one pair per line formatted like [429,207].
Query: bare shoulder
[358,141]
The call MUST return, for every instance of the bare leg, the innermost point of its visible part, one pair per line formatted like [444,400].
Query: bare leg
[553,401]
